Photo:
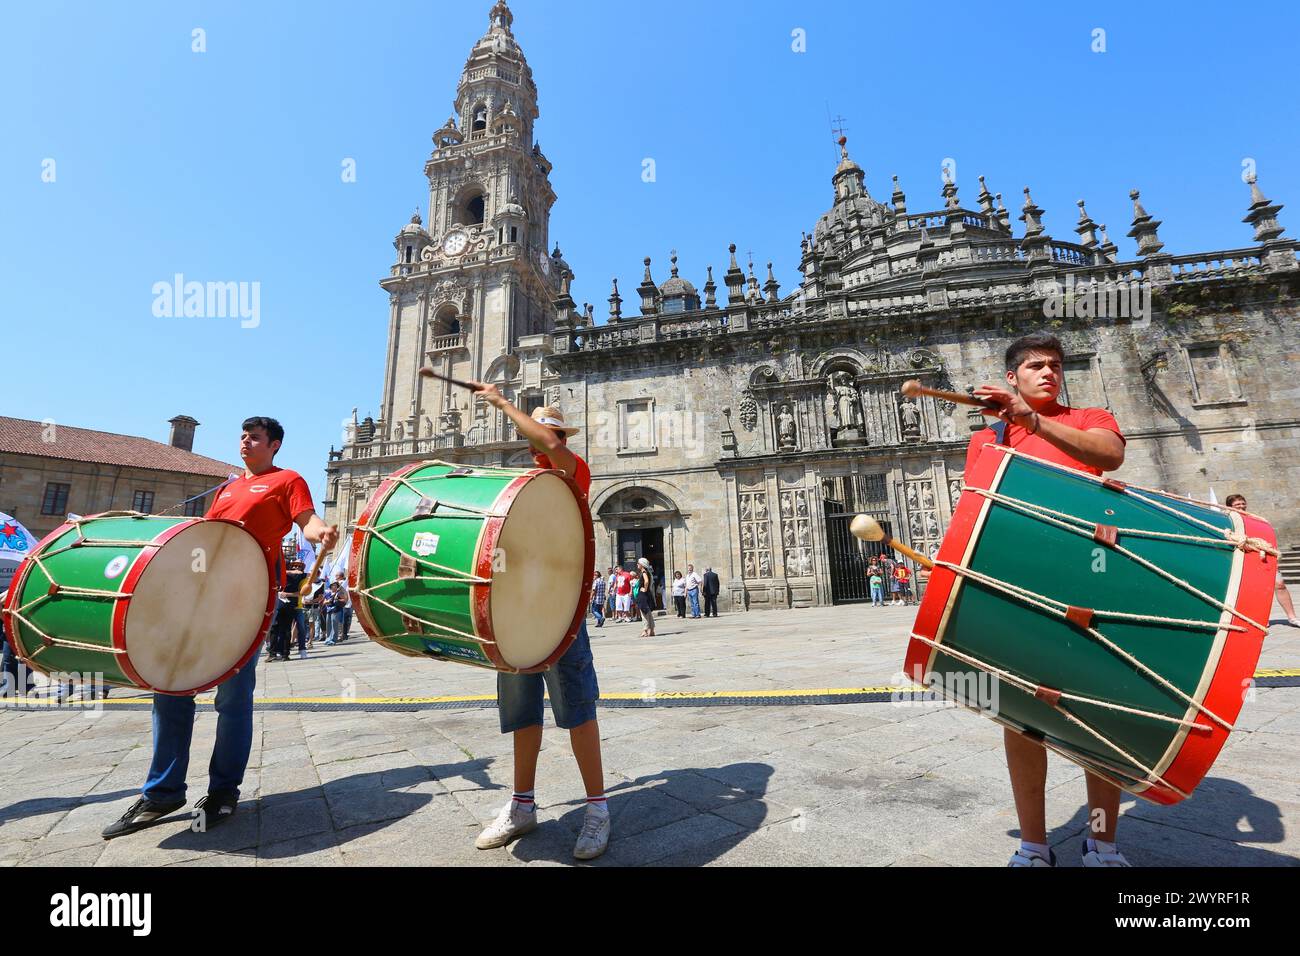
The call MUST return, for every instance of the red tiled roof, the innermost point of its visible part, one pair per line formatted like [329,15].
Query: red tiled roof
[22,437]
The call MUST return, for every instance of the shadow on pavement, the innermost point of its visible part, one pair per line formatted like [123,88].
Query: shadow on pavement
[686,817]
[1219,809]
[42,805]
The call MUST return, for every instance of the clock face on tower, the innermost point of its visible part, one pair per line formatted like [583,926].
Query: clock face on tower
[454,243]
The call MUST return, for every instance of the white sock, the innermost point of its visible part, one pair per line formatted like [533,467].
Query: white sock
[525,802]
[1036,849]
[598,803]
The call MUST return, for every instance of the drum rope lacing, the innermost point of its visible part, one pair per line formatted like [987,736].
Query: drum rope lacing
[1030,687]
[1045,604]
[1046,514]
[1236,538]
[55,589]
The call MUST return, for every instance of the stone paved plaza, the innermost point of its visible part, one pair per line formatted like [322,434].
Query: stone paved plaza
[869,783]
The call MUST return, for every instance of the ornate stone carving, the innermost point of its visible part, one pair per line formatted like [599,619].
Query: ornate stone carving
[909,417]
[748,412]
[755,539]
[796,533]
[844,410]
[785,428]
[954,491]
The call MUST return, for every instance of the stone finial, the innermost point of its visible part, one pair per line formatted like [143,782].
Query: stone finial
[732,249]
[673,259]
[415,217]
[1107,249]
[1086,228]
[771,286]
[710,287]
[985,199]
[949,190]
[1262,214]
[647,278]
[615,303]
[1144,228]
[1037,244]
[898,199]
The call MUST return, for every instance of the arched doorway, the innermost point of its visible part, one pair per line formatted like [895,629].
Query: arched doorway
[640,522]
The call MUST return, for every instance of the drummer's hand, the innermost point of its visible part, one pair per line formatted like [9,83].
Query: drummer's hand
[1010,405]
[329,537]
[490,394]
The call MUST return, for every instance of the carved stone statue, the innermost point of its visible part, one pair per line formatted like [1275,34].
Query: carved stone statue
[927,495]
[844,410]
[954,490]
[910,416]
[846,398]
[785,428]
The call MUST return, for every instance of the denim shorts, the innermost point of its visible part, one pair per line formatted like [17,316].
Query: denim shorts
[571,683]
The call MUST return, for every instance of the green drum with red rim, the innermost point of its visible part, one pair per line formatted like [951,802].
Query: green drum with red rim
[480,565]
[1119,625]
[173,605]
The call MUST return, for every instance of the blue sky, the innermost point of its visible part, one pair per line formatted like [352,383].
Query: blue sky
[225,165]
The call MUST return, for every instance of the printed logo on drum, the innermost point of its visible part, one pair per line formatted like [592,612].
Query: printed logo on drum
[76,909]
[115,567]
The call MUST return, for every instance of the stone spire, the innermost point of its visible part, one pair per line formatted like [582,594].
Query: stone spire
[771,286]
[1036,243]
[1004,217]
[615,304]
[735,280]
[710,287]
[751,293]
[985,199]
[648,291]
[898,200]
[949,191]
[1262,214]
[1086,229]
[1144,228]
[1109,251]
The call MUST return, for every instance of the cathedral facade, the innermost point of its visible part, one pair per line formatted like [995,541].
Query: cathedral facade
[739,427]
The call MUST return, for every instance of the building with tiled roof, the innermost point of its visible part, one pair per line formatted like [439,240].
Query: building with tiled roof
[48,469]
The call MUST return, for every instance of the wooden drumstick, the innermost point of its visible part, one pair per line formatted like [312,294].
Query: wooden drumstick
[868,529]
[305,587]
[430,373]
[912,388]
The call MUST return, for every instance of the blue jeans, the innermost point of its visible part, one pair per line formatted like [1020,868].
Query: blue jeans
[694,597]
[571,683]
[596,609]
[173,728]
[877,596]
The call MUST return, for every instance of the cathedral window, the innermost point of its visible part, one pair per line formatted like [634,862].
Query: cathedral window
[474,209]
[480,119]
[408,254]
[514,233]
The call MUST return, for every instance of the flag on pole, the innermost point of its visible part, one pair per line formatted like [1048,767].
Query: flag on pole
[16,543]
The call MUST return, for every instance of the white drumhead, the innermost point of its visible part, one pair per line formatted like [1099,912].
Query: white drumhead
[197,607]
[535,594]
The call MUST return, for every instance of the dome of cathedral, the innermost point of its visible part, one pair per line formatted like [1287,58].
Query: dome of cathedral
[677,286]
[414,227]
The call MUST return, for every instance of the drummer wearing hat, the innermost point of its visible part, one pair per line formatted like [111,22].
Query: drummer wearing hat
[1088,439]
[571,682]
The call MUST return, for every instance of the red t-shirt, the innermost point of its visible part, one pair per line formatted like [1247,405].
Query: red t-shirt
[1018,437]
[582,473]
[624,585]
[266,504]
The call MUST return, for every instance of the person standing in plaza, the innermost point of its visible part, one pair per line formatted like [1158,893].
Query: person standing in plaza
[269,501]
[1089,440]
[904,578]
[571,683]
[611,584]
[710,589]
[693,582]
[875,580]
[645,597]
[679,593]
[598,598]
[1280,592]
[624,590]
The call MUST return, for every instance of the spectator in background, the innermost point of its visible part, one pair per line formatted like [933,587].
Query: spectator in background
[904,578]
[598,598]
[693,582]
[1238,503]
[712,587]
[346,623]
[610,582]
[679,593]
[646,596]
[623,587]
[875,579]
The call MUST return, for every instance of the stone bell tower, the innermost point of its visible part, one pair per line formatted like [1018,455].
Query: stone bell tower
[468,287]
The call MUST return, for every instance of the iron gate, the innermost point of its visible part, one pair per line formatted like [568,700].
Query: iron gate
[847,496]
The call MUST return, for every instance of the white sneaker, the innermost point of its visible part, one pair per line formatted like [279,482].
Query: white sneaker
[510,823]
[1097,858]
[302,655]
[594,836]
[1021,858]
